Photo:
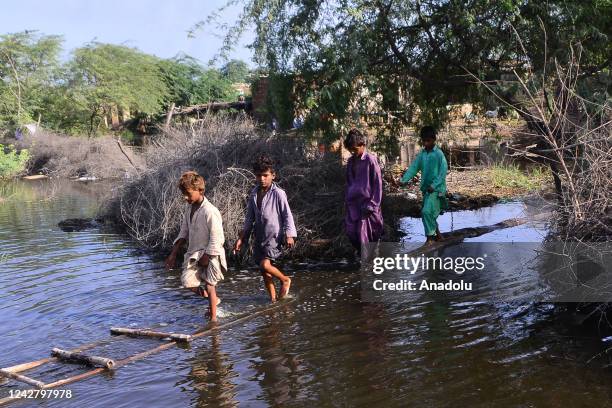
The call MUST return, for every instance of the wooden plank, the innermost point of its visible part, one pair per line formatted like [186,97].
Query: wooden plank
[210,106]
[140,356]
[33,364]
[457,236]
[151,333]
[35,177]
[81,358]
[22,378]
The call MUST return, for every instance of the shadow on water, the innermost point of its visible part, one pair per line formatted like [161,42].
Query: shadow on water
[329,348]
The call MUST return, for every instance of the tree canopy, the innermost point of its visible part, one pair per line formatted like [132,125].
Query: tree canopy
[189,83]
[114,76]
[28,65]
[236,71]
[415,56]
[98,82]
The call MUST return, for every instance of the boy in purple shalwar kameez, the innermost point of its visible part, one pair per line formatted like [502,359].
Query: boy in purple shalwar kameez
[268,215]
[364,222]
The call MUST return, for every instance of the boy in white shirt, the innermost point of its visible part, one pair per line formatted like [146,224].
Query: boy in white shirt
[202,227]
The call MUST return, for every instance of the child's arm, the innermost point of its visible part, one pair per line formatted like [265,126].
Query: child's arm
[180,240]
[412,170]
[249,219]
[215,237]
[438,182]
[287,219]
[376,183]
[215,226]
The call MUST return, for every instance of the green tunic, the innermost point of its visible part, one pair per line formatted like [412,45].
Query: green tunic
[433,167]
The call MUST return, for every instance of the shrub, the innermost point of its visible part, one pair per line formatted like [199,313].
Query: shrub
[70,156]
[222,149]
[12,162]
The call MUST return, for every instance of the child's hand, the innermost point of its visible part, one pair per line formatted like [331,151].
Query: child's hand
[237,245]
[290,242]
[204,260]
[171,261]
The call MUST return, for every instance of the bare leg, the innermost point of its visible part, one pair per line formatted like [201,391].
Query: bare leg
[213,301]
[269,284]
[202,292]
[199,291]
[267,267]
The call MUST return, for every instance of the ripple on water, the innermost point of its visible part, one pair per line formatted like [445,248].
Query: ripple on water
[326,349]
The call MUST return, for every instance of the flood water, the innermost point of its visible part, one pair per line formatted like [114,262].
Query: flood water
[326,348]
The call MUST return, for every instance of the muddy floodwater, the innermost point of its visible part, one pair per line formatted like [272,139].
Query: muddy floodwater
[325,348]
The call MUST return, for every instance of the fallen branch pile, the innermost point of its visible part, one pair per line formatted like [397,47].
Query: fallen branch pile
[222,149]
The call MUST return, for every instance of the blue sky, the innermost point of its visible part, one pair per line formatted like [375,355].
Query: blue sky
[154,26]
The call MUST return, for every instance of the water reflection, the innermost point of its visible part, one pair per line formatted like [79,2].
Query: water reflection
[275,367]
[212,375]
[328,348]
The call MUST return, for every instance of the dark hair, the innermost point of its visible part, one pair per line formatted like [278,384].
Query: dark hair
[354,138]
[263,164]
[190,180]
[428,132]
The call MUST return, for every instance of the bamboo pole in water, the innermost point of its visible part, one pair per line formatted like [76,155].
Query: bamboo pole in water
[151,333]
[83,358]
[22,378]
[450,239]
[154,350]
[33,364]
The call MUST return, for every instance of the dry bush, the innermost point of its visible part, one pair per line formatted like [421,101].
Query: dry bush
[70,156]
[222,150]
[572,135]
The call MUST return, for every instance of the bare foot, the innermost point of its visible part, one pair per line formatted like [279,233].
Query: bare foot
[430,241]
[285,288]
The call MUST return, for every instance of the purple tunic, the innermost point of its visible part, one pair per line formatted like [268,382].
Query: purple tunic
[364,222]
[272,223]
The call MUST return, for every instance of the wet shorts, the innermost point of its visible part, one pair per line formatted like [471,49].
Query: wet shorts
[194,275]
[261,252]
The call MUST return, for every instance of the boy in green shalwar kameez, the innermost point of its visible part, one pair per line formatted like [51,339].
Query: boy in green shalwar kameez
[432,164]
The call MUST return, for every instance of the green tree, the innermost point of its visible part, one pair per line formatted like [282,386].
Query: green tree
[28,65]
[389,56]
[213,87]
[180,75]
[189,83]
[236,71]
[104,77]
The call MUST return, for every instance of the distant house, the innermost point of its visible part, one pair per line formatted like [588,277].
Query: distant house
[242,88]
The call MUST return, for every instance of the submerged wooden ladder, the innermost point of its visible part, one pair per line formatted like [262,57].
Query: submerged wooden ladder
[104,364]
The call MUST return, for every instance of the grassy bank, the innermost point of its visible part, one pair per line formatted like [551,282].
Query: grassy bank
[12,161]
[502,181]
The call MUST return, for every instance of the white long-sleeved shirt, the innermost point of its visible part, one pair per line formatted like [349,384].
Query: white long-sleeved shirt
[204,232]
